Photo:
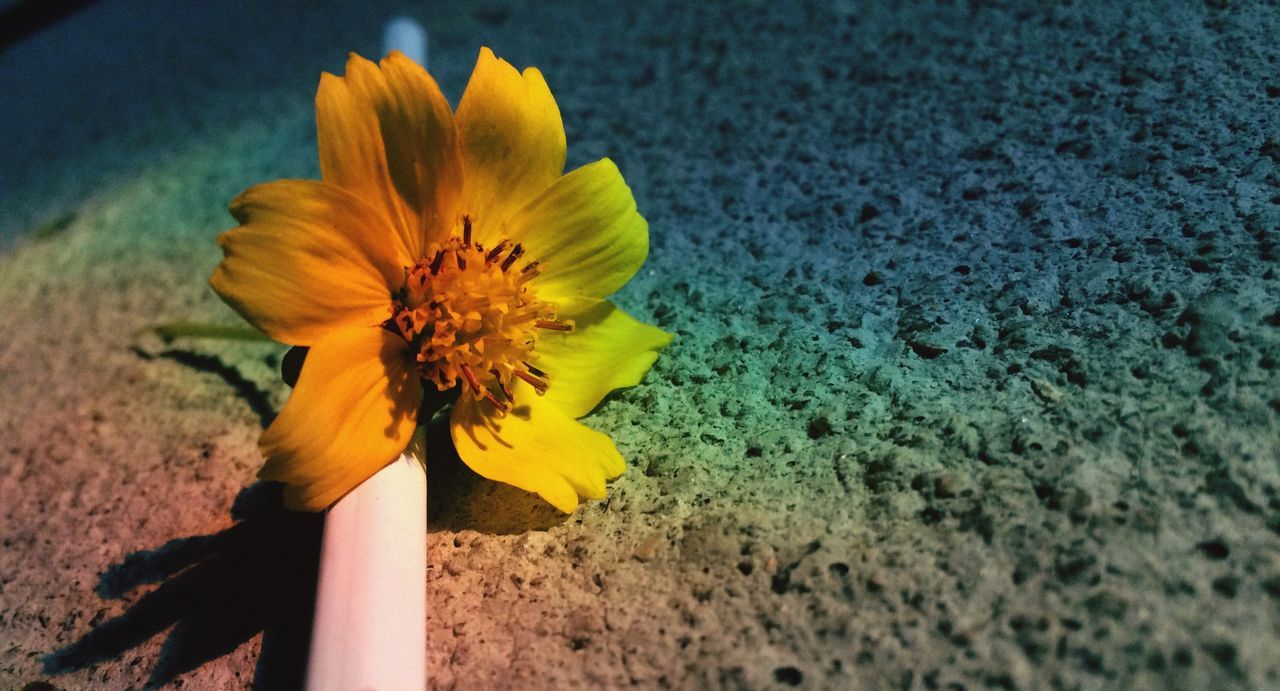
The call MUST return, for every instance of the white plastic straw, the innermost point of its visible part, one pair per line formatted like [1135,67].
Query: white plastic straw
[370,627]
[408,37]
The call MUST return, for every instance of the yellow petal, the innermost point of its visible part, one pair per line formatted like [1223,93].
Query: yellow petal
[352,412]
[607,350]
[512,142]
[308,258]
[388,136]
[585,231]
[536,447]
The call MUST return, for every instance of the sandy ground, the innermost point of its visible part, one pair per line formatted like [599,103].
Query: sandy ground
[975,382]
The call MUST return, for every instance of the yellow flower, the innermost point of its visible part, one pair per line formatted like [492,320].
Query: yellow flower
[446,250]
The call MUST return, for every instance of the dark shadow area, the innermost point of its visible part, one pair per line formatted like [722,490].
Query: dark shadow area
[216,592]
[22,18]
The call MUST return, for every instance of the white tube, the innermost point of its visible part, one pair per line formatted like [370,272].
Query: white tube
[370,629]
[408,37]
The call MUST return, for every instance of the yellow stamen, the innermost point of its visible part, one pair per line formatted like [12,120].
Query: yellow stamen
[472,319]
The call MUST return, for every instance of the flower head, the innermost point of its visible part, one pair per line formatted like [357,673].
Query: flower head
[443,251]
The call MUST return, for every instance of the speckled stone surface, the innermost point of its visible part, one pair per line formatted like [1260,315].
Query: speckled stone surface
[975,380]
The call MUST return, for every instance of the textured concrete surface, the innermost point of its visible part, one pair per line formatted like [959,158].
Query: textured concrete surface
[975,382]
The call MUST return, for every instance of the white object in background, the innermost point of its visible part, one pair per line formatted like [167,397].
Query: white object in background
[408,37]
[370,629]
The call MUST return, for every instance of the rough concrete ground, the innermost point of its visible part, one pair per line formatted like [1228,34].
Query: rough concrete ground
[975,382]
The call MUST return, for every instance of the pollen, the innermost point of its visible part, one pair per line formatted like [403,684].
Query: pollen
[473,316]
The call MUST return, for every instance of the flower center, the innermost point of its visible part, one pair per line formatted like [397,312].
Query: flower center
[473,317]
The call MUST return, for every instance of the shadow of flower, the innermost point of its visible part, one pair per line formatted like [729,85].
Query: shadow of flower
[257,399]
[216,592]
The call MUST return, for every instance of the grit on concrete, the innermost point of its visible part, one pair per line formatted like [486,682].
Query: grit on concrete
[975,381]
